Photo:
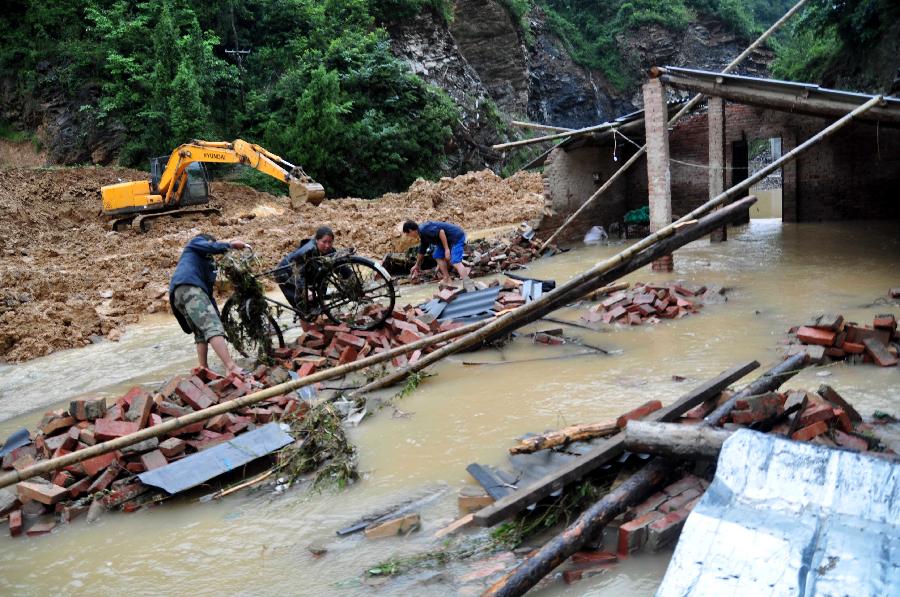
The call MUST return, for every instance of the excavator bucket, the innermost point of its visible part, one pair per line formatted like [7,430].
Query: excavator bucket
[306,192]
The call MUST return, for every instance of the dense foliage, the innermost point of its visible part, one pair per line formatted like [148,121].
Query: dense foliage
[319,85]
[831,31]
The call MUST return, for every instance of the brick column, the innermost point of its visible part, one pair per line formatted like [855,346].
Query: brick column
[717,158]
[658,175]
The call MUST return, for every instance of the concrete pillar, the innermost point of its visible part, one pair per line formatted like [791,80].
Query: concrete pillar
[717,158]
[658,174]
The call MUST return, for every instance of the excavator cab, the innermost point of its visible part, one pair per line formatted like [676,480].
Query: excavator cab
[196,189]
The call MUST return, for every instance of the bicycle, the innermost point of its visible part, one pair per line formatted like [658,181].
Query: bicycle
[346,288]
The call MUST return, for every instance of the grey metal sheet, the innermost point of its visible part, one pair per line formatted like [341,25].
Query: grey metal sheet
[780,85]
[469,304]
[434,307]
[203,466]
[791,518]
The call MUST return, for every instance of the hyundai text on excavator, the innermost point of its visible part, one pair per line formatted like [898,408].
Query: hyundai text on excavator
[178,184]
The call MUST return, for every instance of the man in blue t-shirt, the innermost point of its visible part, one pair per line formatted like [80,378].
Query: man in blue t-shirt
[449,241]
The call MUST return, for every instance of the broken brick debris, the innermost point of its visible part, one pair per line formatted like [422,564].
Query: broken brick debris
[649,303]
[829,338]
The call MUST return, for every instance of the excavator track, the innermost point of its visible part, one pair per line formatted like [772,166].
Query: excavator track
[143,222]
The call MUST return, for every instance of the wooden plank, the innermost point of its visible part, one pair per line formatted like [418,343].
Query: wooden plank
[494,486]
[607,450]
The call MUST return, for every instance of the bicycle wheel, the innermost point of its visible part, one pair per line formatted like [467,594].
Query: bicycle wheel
[357,292]
[250,328]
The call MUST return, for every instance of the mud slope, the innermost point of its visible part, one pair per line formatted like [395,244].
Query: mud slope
[66,278]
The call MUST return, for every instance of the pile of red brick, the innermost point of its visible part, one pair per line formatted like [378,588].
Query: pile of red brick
[324,346]
[110,479]
[499,256]
[657,521]
[649,303]
[829,338]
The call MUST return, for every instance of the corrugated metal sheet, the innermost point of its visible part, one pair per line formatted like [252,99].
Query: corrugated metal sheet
[808,89]
[791,518]
[203,466]
[471,306]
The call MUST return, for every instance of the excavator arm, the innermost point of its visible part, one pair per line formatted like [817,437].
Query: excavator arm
[145,196]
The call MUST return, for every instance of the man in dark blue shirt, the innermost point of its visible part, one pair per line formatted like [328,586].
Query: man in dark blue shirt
[292,273]
[448,240]
[191,297]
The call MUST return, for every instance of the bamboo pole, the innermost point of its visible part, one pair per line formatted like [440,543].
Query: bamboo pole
[540,127]
[688,106]
[52,464]
[575,132]
[557,550]
[603,273]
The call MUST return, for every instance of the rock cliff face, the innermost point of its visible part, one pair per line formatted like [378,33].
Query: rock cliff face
[426,44]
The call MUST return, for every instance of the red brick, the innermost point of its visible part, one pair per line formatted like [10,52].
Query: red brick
[203,444]
[155,419]
[810,335]
[55,422]
[350,340]
[94,465]
[850,441]
[13,455]
[651,503]
[218,423]
[45,493]
[154,459]
[79,487]
[207,375]
[879,353]
[348,355]
[633,535]
[15,523]
[664,531]
[857,334]
[63,478]
[68,513]
[415,356]
[617,312]
[594,557]
[678,502]
[816,412]
[188,429]
[192,395]
[104,429]
[306,369]
[123,494]
[135,467]
[106,478]
[173,410]
[852,348]
[807,433]
[172,447]
[843,420]
[639,412]
[684,484]
[888,322]
[87,409]
[139,410]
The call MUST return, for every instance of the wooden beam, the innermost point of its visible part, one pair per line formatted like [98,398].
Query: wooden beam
[540,127]
[686,442]
[743,92]
[604,452]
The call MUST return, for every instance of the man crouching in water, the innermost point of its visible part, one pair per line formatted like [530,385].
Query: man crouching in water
[191,298]
[293,280]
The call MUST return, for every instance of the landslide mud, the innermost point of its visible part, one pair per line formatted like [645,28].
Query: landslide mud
[67,279]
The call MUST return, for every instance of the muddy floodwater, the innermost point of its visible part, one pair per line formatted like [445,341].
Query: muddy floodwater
[256,542]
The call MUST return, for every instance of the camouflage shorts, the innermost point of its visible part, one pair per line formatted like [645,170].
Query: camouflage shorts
[200,313]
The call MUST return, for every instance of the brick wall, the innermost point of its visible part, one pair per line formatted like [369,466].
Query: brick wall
[855,174]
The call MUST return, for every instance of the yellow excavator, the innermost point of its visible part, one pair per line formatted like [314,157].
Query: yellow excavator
[179,182]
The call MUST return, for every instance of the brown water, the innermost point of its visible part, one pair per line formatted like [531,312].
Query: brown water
[256,542]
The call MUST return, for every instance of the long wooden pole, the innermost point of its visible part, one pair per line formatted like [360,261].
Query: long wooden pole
[558,549]
[539,127]
[687,107]
[687,442]
[584,281]
[52,464]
